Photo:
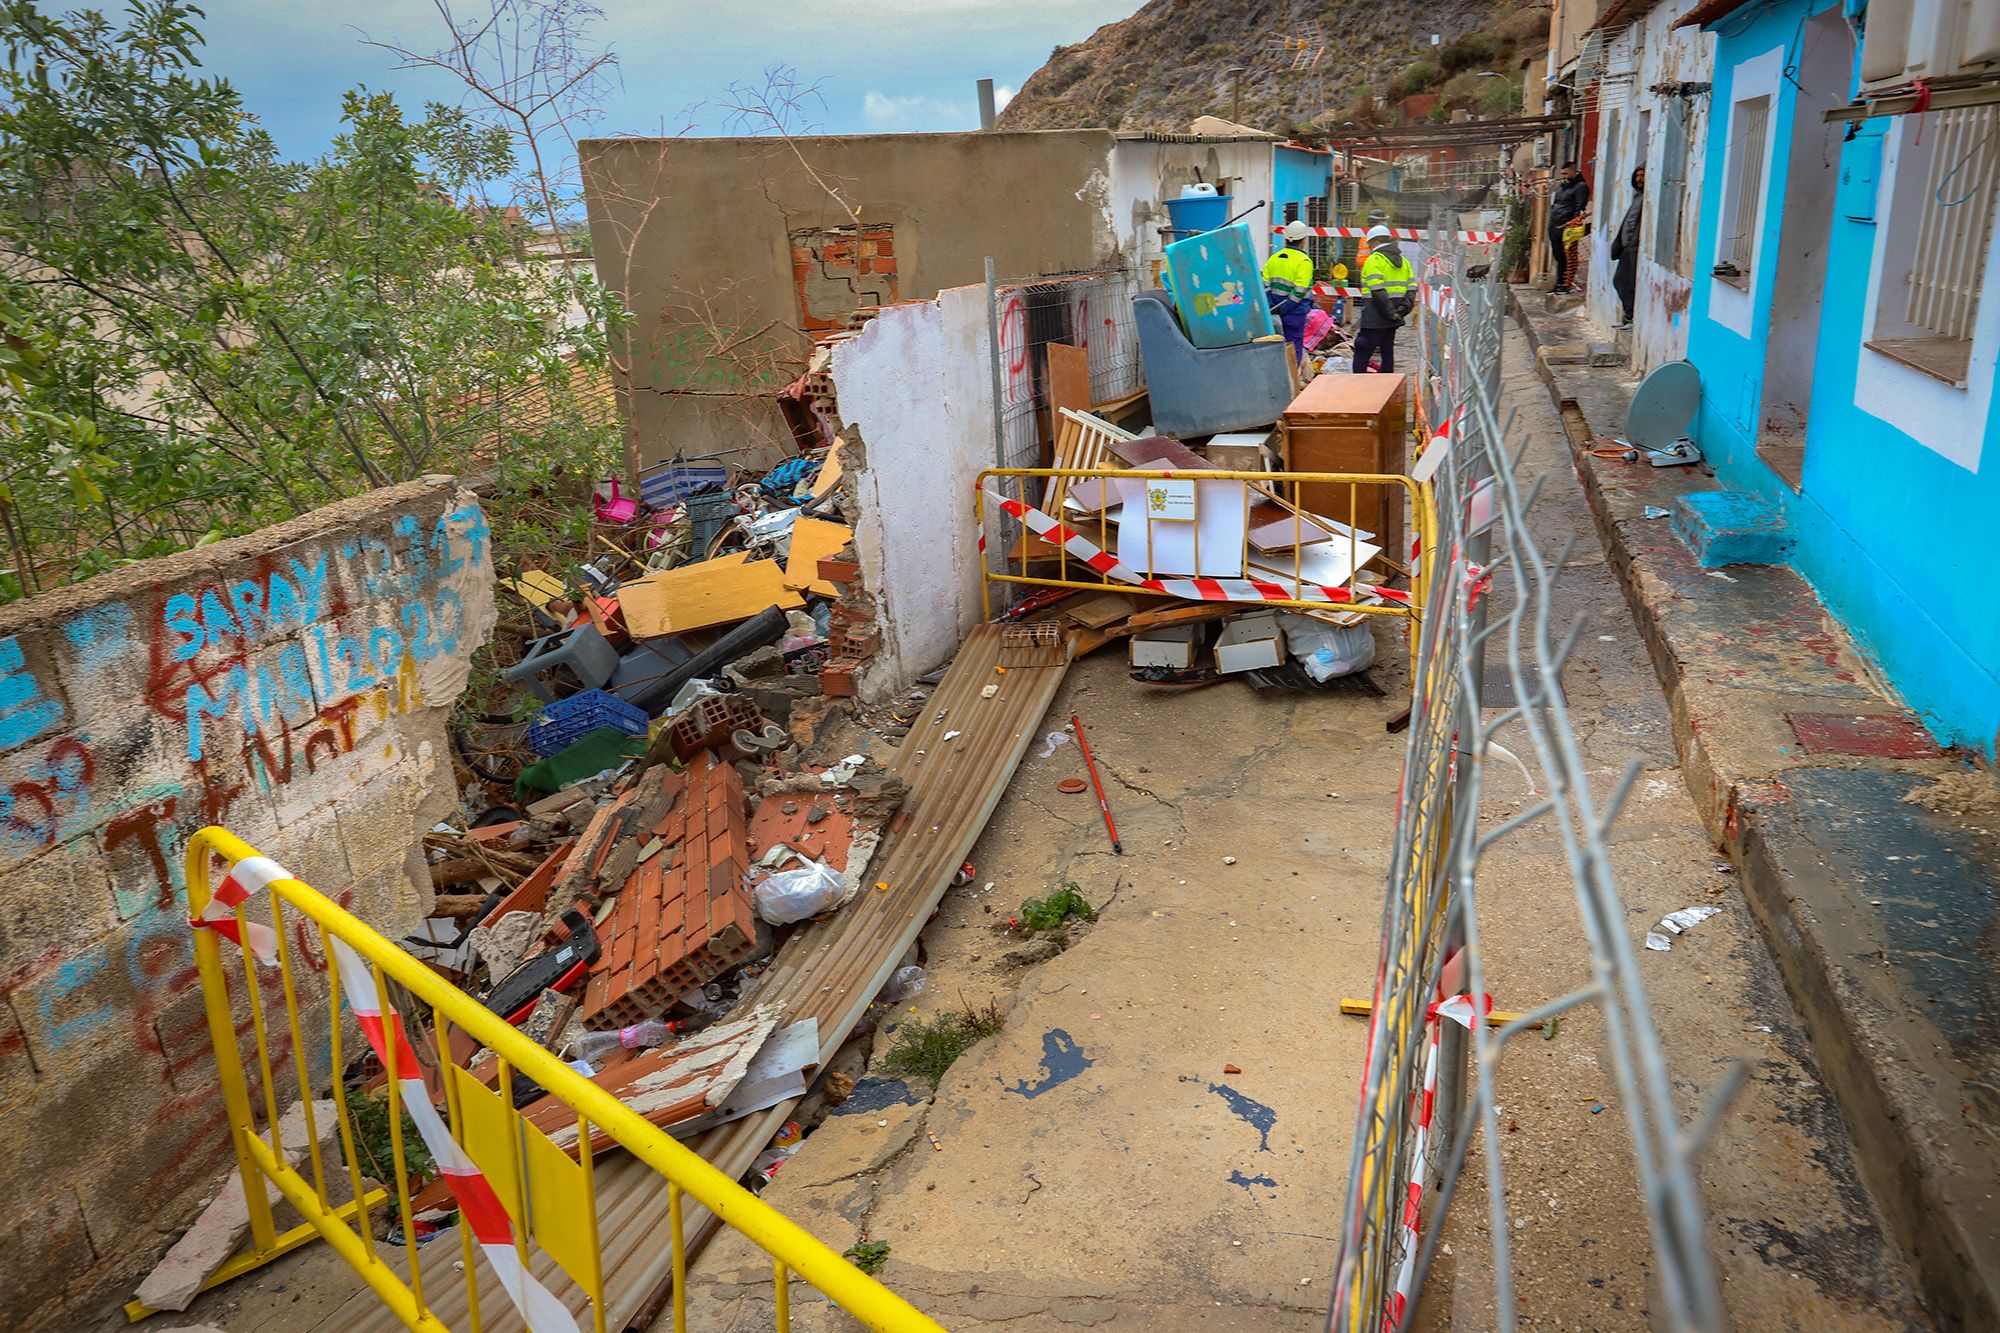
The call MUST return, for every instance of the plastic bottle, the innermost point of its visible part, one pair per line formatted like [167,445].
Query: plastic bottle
[594,1046]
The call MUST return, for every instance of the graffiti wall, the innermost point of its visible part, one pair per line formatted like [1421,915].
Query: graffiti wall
[291,685]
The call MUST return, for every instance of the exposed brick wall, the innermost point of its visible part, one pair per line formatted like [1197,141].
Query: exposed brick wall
[291,685]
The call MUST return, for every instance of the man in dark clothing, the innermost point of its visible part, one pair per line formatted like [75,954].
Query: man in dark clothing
[1625,249]
[1389,285]
[1570,202]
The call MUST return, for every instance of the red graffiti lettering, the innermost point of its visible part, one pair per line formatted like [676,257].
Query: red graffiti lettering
[143,824]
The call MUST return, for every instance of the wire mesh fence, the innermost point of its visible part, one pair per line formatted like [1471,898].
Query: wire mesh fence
[1429,1081]
[1089,311]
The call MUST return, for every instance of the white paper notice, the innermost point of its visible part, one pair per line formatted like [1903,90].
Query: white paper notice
[1213,531]
[1171,498]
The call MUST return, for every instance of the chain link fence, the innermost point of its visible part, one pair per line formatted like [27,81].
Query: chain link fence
[1429,1081]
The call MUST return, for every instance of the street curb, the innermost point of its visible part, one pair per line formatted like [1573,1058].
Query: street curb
[1912,1159]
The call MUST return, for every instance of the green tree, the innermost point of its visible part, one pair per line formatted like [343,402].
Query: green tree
[223,338]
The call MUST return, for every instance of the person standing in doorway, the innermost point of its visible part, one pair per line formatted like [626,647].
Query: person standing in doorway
[1625,249]
[1569,203]
[1288,278]
[1388,284]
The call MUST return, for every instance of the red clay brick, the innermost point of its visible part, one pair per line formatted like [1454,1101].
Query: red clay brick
[836,681]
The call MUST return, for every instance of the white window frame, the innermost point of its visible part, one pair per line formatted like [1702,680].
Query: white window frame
[1949,420]
[1940,232]
[1729,304]
[1746,175]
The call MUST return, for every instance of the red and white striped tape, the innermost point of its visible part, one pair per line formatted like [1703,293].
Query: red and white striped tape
[478,1206]
[1459,1009]
[1397,233]
[253,874]
[1192,589]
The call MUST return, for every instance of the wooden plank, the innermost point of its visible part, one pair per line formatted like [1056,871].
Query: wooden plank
[1345,396]
[1177,615]
[1099,609]
[700,596]
[813,540]
[1069,383]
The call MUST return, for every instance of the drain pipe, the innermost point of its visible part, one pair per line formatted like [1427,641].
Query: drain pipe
[986,111]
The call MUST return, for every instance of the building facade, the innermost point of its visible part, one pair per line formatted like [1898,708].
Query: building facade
[1845,321]
[1652,111]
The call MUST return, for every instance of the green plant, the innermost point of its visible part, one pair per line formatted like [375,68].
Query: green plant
[1417,76]
[1051,912]
[369,1118]
[868,1255]
[1474,50]
[929,1047]
[1501,97]
[217,337]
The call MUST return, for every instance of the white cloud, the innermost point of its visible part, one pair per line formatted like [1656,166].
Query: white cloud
[881,111]
[884,111]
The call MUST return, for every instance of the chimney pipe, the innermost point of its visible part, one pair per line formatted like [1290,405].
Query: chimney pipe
[986,112]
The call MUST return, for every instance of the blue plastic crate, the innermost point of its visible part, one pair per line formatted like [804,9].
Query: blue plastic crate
[568,719]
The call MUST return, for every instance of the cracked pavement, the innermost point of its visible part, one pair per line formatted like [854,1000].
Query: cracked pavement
[1099,1168]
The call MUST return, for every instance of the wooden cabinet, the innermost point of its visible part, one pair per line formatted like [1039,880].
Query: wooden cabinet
[1353,423]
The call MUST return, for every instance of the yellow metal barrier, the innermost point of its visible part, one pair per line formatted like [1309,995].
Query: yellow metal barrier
[1072,497]
[548,1195]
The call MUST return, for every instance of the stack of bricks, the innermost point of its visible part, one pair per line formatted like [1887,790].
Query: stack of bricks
[683,916]
[852,634]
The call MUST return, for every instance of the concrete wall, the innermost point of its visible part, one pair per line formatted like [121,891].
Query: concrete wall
[1892,521]
[291,685]
[916,403]
[1652,52]
[699,236]
[1145,171]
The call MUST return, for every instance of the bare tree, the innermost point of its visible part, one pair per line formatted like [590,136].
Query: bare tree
[532,68]
[781,108]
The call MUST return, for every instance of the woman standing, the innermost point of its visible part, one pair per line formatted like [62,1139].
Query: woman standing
[1625,249]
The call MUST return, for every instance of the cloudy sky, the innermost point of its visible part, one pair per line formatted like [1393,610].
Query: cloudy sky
[882,65]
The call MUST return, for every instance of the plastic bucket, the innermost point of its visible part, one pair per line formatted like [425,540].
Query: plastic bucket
[1198,214]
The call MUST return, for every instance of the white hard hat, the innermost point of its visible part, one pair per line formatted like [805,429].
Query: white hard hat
[1297,231]
[1379,233]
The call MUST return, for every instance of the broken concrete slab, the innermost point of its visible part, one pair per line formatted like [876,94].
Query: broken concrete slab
[207,1245]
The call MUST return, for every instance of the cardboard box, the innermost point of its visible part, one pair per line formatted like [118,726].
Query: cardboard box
[1243,452]
[1250,642]
[1171,646]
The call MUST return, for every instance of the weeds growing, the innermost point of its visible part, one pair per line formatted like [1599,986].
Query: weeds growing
[1051,912]
[928,1047]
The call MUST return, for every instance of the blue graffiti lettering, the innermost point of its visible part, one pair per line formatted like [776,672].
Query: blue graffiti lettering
[24,713]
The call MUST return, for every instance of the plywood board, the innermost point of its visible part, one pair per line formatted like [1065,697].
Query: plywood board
[1069,383]
[829,473]
[813,540]
[699,596]
[1100,609]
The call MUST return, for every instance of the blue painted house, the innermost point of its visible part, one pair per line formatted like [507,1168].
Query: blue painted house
[1845,319]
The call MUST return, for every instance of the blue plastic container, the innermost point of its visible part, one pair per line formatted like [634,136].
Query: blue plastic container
[1198,213]
[566,720]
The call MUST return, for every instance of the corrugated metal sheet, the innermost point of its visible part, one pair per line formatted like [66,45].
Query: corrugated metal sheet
[828,971]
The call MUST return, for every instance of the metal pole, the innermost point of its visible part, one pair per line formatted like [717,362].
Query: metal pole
[986,111]
[993,361]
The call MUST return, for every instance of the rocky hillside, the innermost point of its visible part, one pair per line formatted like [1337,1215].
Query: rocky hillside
[1172,61]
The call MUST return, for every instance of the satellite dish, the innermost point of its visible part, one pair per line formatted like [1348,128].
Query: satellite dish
[1662,410]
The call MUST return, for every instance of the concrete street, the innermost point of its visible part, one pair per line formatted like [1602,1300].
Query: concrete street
[1094,1163]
